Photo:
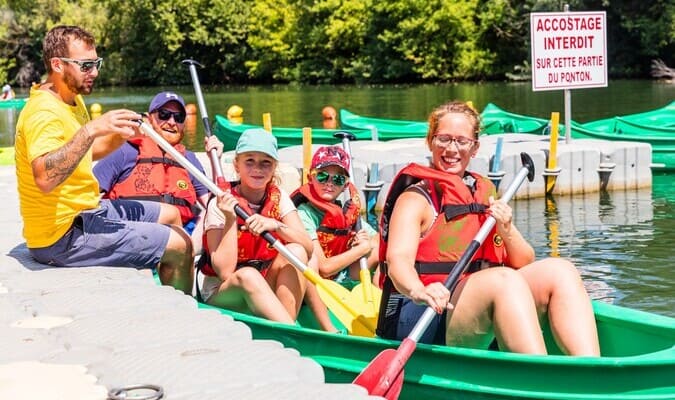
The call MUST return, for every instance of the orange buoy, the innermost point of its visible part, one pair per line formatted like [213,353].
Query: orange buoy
[329,116]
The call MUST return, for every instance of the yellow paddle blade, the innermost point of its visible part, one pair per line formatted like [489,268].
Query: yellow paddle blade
[358,296]
[338,300]
[370,294]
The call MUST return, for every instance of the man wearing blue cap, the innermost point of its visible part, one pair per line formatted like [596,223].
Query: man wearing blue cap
[141,170]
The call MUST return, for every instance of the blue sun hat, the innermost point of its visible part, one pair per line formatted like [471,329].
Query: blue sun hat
[257,139]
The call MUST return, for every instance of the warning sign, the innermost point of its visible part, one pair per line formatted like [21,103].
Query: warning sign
[569,50]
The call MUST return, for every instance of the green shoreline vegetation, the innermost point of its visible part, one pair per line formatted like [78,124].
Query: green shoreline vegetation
[320,41]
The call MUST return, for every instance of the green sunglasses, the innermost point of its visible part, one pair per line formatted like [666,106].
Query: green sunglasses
[338,179]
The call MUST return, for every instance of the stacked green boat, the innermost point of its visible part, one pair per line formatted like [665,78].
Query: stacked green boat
[637,363]
[228,132]
[13,103]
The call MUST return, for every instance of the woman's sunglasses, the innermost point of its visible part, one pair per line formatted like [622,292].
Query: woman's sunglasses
[165,115]
[338,179]
[85,65]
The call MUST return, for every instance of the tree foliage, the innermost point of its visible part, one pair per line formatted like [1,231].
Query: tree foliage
[319,41]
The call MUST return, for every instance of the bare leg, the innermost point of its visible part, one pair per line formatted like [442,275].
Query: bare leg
[499,299]
[169,215]
[317,305]
[175,267]
[287,281]
[246,289]
[560,296]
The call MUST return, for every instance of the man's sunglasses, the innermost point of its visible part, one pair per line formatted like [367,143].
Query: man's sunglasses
[165,115]
[86,65]
[338,179]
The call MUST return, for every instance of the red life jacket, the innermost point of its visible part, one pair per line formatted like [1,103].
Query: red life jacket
[158,177]
[252,250]
[460,215]
[337,227]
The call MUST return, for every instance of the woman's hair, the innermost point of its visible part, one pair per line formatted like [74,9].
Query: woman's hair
[57,40]
[454,106]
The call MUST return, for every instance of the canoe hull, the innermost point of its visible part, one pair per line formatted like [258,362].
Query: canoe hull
[656,127]
[14,103]
[387,129]
[640,362]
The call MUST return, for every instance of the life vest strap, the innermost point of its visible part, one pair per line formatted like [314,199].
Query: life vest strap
[333,231]
[167,198]
[260,265]
[453,210]
[159,160]
[444,267]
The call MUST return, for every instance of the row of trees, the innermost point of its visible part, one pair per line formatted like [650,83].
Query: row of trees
[319,41]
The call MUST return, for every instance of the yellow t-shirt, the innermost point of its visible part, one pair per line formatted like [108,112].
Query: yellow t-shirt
[46,124]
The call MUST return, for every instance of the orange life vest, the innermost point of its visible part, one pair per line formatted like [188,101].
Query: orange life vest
[252,250]
[337,227]
[460,216]
[158,177]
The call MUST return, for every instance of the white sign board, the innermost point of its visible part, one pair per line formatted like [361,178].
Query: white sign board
[569,50]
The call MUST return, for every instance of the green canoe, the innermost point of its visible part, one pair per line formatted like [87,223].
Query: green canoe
[656,127]
[655,122]
[228,133]
[387,129]
[637,363]
[13,103]
[495,120]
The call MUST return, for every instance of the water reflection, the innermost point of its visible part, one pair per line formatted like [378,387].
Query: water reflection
[8,118]
[621,248]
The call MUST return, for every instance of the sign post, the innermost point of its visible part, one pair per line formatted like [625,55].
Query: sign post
[569,51]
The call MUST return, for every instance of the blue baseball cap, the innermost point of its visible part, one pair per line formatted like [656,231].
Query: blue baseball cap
[257,139]
[164,97]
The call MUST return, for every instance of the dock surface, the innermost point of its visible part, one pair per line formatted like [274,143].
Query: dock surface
[78,333]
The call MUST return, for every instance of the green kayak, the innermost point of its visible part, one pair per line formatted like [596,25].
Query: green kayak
[387,129]
[495,120]
[656,127]
[13,103]
[228,133]
[637,363]
[650,123]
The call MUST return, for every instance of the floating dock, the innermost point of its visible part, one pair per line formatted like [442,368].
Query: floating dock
[82,333]
[583,165]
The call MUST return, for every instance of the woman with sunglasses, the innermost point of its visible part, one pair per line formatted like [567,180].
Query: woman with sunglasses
[242,271]
[430,216]
[141,170]
[338,247]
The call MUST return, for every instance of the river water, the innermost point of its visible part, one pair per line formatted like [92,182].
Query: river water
[621,241]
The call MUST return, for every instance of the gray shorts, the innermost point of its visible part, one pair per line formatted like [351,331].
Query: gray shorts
[120,233]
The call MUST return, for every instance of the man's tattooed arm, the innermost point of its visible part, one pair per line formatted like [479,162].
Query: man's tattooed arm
[51,169]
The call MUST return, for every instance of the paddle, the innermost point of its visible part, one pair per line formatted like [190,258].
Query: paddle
[355,321]
[370,294]
[216,168]
[384,375]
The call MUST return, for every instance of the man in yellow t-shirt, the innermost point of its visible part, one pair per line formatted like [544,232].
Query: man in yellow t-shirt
[65,222]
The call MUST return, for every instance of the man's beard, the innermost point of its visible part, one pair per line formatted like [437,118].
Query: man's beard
[75,86]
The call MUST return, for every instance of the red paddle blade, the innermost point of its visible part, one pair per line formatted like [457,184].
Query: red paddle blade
[384,375]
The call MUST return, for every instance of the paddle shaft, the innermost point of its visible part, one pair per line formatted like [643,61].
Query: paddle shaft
[464,261]
[346,137]
[213,154]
